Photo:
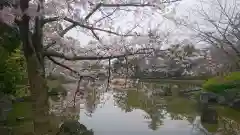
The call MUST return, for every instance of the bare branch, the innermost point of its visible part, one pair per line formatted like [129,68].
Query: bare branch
[222,33]
[67,29]
[51,19]
[95,35]
[93,11]
[106,16]
[50,45]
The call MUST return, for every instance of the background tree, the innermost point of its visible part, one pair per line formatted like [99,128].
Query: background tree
[217,25]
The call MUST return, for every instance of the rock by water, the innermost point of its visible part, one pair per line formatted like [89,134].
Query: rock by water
[208,97]
[209,115]
[235,104]
[73,127]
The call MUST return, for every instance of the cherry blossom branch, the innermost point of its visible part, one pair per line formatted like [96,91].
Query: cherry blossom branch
[138,4]
[52,53]
[94,28]
[62,65]
[52,19]
[75,23]
[99,5]
[61,35]
[70,69]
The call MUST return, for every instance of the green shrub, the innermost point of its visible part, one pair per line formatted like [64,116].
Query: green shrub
[220,84]
[12,63]
[12,71]
[234,76]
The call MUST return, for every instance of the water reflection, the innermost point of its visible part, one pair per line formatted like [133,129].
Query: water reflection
[156,108]
[147,108]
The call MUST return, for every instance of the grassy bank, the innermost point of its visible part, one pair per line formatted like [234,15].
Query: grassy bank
[174,81]
[223,84]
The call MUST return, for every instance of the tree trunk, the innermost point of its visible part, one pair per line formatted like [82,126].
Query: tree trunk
[32,47]
[39,97]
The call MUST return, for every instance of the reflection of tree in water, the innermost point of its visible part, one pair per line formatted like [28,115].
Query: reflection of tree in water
[181,108]
[92,100]
[156,118]
[138,100]
[156,107]
[69,115]
[121,101]
[61,112]
[60,108]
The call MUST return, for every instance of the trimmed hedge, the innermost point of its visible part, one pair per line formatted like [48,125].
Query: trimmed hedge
[221,83]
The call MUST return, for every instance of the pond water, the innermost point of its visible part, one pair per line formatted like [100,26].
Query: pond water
[135,111]
[126,114]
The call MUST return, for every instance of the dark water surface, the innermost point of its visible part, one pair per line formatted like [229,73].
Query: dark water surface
[140,110]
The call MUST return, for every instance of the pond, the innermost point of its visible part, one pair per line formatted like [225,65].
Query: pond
[137,110]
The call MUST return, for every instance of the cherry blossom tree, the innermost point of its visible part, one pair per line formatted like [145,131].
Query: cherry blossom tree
[45,25]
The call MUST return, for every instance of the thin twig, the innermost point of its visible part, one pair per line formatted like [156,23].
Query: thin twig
[77,90]
[109,74]
[126,59]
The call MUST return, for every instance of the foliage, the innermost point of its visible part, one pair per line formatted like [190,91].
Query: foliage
[9,38]
[11,71]
[12,65]
[220,84]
